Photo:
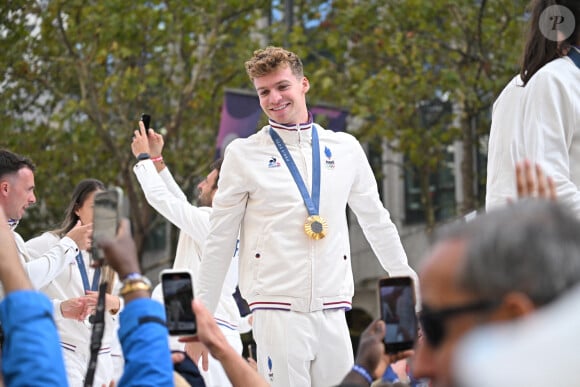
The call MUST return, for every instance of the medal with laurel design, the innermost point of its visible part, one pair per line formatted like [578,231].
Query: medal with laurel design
[316,227]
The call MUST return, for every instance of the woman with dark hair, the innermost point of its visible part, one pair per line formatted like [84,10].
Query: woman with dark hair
[74,295]
[537,116]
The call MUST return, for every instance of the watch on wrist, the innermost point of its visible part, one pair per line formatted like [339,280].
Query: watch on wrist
[143,156]
[134,286]
[135,277]
[133,282]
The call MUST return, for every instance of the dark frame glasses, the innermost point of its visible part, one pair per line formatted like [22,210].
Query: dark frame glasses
[433,320]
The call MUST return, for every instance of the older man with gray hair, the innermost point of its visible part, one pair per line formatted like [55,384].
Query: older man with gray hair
[499,267]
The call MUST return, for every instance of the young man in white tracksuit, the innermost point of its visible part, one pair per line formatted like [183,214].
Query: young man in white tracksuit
[295,259]
[163,194]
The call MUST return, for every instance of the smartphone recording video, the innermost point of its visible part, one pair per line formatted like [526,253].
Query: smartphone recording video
[106,217]
[397,306]
[177,286]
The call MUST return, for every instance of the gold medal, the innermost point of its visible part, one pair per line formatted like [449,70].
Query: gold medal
[315,227]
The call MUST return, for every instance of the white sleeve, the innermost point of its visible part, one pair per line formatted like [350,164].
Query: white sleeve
[48,266]
[171,184]
[175,208]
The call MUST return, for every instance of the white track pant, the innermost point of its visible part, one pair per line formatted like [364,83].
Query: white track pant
[302,349]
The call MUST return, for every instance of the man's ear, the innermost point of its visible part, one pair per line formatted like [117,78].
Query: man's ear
[514,306]
[305,84]
[4,187]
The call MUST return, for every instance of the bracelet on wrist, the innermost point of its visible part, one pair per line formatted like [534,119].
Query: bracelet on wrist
[363,372]
[157,159]
[134,286]
[133,282]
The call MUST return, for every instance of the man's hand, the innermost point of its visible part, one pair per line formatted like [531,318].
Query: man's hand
[196,350]
[121,252]
[371,350]
[140,143]
[81,235]
[155,143]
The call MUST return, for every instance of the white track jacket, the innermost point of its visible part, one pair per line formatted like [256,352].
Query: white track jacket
[280,266]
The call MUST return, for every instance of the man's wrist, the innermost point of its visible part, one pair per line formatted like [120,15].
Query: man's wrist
[143,156]
[364,372]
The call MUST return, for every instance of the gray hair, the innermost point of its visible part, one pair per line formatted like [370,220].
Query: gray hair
[531,246]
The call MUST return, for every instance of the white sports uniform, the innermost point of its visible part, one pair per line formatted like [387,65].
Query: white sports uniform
[44,269]
[503,152]
[75,336]
[297,287]
[167,198]
[546,127]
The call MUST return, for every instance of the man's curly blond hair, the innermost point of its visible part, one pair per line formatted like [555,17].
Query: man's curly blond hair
[270,59]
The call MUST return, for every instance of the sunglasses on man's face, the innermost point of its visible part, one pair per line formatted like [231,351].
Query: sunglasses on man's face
[433,320]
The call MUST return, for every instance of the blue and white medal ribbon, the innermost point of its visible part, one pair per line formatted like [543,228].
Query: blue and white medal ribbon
[315,226]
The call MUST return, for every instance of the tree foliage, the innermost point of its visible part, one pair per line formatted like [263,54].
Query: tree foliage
[384,60]
[78,74]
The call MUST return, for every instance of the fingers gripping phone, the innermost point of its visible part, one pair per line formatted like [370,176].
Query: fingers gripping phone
[177,286]
[106,217]
[146,118]
[397,306]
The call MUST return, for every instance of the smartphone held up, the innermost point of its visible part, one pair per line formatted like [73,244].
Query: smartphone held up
[177,287]
[397,308]
[146,118]
[106,217]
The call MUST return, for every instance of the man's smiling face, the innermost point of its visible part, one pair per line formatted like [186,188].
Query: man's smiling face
[283,96]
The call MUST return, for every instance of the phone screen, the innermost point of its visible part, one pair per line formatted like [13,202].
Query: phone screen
[177,296]
[397,305]
[106,215]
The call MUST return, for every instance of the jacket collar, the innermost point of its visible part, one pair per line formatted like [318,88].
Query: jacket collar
[294,133]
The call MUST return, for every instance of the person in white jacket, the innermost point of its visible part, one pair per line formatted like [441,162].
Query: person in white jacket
[538,119]
[285,190]
[167,198]
[16,195]
[74,296]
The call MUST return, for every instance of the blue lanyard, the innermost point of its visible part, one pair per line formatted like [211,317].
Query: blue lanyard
[84,276]
[575,56]
[312,203]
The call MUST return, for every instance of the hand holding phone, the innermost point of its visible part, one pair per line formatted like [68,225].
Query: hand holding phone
[397,306]
[106,216]
[177,286]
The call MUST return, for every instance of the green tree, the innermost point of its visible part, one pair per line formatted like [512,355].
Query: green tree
[78,74]
[383,60]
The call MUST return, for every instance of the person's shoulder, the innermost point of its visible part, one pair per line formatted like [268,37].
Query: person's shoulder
[558,70]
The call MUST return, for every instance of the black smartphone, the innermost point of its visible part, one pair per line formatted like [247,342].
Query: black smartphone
[106,217]
[146,118]
[397,306]
[177,287]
